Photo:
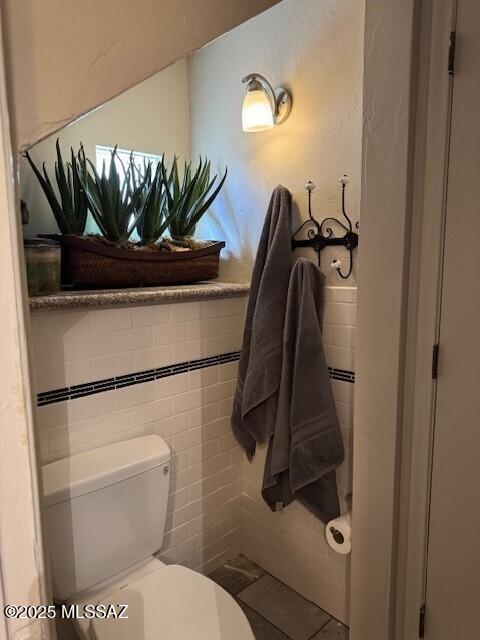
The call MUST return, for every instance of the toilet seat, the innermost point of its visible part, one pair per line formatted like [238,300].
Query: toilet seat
[173,603]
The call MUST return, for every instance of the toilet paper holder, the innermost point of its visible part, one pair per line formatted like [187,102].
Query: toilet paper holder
[337,535]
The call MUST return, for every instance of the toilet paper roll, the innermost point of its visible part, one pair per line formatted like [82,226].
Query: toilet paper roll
[339,534]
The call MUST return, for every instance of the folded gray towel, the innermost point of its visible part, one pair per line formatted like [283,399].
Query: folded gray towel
[306,445]
[256,396]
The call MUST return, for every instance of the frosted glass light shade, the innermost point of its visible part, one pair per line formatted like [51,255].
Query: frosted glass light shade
[257,112]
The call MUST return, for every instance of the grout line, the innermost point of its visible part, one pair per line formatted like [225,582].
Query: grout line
[323,625]
[236,596]
[263,617]
[253,581]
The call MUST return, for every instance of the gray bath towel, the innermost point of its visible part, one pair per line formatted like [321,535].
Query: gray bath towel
[256,396]
[306,446]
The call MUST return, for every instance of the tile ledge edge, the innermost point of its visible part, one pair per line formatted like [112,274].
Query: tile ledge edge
[99,299]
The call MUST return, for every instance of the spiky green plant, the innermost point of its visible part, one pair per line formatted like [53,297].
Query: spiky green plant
[136,173]
[154,220]
[115,202]
[189,199]
[71,208]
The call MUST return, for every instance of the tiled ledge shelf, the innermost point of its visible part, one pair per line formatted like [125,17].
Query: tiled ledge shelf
[147,295]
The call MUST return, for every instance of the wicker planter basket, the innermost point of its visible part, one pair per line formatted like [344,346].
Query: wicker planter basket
[86,263]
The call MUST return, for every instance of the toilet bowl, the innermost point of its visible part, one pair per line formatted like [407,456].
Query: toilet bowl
[165,602]
[105,516]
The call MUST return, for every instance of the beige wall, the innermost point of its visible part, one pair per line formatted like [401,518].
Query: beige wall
[64,58]
[152,117]
[314,47]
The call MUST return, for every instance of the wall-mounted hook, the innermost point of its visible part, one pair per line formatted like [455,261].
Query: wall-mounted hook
[321,235]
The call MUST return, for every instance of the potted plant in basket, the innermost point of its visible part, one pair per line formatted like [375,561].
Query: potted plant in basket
[121,200]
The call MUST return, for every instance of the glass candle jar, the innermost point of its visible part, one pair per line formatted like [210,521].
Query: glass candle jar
[42,258]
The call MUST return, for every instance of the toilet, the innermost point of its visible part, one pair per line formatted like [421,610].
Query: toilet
[105,516]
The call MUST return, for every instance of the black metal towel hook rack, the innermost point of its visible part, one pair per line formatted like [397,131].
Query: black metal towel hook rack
[321,235]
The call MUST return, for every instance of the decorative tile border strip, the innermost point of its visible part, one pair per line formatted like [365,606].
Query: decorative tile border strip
[341,374]
[129,379]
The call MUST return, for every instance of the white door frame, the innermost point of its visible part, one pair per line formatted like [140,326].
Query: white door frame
[22,567]
[389,107]
[406,115]
[429,204]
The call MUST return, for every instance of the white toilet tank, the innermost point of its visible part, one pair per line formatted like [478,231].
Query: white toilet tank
[105,511]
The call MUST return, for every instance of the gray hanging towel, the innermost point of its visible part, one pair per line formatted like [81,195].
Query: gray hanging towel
[306,446]
[256,395]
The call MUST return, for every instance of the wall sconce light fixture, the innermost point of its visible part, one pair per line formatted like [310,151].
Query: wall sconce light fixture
[263,106]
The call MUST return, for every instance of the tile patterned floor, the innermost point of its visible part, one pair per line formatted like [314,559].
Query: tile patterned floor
[275,611]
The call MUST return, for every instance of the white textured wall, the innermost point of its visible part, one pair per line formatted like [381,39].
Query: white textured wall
[151,117]
[314,47]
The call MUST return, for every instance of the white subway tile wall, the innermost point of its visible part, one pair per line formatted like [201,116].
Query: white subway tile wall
[74,347]
[215,507]
[191,410]
[291,545]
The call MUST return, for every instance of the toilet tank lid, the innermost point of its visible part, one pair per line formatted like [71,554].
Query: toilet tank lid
[86,472]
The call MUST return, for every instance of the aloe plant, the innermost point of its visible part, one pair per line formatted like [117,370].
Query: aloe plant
[189,199]
[70,206]
[154,220]
[136,174]
[115,202]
